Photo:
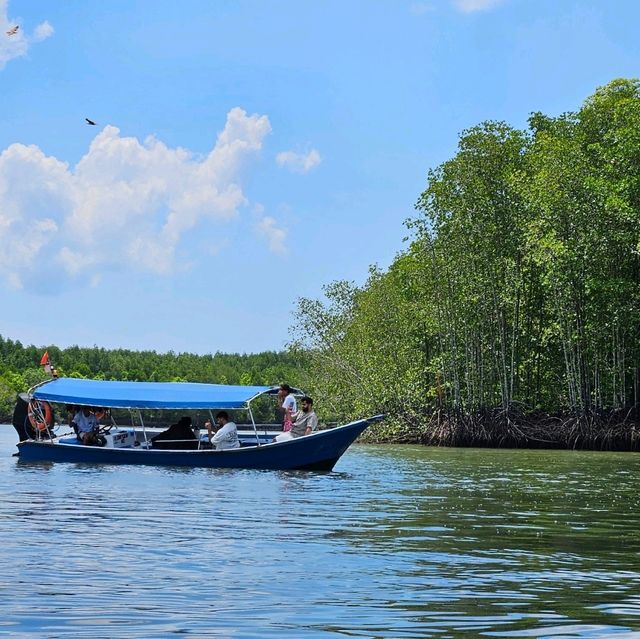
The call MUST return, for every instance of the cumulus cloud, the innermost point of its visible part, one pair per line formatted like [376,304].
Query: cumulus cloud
[471,6]
[17,45]
[276,237]
[126,204]
[299,162]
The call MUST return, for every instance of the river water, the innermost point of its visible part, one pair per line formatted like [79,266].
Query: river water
[398,541]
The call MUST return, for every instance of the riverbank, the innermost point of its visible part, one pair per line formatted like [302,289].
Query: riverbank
[497,428]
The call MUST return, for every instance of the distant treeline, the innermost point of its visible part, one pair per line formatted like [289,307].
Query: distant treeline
[513,316]
[19,367]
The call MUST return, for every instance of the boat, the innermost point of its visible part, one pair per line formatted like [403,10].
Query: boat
[41,439]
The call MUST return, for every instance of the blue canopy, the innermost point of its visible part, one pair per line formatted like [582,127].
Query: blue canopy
[167,395]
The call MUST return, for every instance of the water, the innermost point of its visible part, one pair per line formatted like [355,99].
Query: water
[399,541]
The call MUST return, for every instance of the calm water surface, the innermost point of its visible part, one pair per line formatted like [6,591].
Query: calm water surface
[399,541]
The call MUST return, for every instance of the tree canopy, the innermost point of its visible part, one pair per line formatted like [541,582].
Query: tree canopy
[518,295]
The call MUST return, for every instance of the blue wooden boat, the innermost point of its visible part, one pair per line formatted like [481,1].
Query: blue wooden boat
[132,445]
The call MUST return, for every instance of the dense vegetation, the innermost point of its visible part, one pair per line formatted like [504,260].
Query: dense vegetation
[19,367]
[513,317]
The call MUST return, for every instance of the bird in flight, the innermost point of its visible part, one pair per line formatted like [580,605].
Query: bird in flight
[91,122]
[13,30]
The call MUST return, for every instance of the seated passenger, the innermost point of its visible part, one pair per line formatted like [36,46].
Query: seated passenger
[226,434]
[86,426]
[305,421]
[178,436]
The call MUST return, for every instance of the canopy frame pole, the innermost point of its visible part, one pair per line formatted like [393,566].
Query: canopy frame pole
[144,429]
[35,387]
[253,421]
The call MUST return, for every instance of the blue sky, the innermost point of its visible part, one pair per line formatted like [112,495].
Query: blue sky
[246,153]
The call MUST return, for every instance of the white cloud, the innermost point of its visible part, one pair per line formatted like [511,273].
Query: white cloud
[275,236]
[299,162]
[43,31]
[126,204]
[17,45]
[471,6]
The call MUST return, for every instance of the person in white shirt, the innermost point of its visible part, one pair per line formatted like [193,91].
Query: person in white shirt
[86,427]
[288,404]
[226,435]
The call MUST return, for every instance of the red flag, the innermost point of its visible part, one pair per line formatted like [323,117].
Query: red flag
[44,360]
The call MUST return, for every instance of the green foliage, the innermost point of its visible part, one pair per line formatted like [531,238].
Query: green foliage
[19,367]
[520,289]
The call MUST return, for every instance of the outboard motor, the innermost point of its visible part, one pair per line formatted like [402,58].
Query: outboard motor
[20,419]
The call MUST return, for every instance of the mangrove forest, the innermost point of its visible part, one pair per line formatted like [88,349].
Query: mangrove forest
[512,317]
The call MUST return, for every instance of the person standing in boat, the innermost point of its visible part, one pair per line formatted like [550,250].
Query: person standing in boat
[287,403]
[305,422]
[226,435]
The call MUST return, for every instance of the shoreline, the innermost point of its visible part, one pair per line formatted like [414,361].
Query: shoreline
[497,428]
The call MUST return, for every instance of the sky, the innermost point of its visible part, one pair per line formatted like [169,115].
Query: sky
[247,153]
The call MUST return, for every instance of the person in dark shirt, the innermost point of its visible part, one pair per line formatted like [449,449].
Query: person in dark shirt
[178,436]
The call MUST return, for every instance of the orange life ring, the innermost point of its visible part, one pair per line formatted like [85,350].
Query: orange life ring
[40,415]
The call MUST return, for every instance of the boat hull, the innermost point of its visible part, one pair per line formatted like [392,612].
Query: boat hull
[319,451]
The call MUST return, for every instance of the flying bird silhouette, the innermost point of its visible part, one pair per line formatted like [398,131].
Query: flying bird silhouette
[13,30]
[91,122]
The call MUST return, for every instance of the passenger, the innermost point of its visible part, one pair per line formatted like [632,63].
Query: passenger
[178,436]
[287,402]
[86,427]
[226,435]
[305,422]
